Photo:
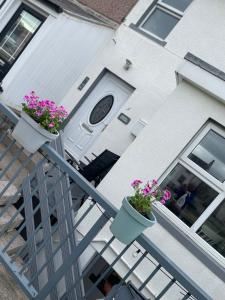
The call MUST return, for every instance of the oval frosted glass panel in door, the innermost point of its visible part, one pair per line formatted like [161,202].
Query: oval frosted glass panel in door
[101,109]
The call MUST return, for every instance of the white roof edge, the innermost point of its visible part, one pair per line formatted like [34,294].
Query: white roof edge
[202,79]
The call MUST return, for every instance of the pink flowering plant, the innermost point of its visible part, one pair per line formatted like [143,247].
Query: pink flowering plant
[45,112]
[147,194]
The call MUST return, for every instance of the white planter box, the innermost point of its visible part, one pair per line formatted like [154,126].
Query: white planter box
[30,134]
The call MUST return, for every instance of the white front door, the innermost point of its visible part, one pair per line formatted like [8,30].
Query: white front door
[98,109]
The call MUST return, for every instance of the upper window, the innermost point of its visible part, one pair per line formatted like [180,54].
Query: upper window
[16,35]
[197,184]
[163,17]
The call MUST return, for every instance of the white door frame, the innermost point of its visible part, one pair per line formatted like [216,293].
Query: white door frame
[89,91]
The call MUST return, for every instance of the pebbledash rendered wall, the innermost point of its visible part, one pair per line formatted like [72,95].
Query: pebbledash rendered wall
[55,57]
[174,115]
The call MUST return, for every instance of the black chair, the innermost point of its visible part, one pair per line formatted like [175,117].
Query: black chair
[99,167]
[94,172]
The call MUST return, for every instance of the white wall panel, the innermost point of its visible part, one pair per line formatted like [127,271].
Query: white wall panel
[54,59]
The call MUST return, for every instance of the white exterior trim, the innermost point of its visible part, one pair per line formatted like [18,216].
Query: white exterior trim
[202,79]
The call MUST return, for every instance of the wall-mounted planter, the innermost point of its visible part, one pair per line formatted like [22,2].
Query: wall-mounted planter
[129,223]
[30,134]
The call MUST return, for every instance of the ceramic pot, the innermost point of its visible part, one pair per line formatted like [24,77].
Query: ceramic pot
[129,223]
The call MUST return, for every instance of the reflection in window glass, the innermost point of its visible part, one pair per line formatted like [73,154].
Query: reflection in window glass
[190,195]
[213,230]
[178,4]
[17,37]
[160,23]
[210,155]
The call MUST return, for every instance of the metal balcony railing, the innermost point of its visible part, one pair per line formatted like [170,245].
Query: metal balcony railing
[46,249]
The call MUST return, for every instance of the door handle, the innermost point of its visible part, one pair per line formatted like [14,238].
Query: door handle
[87,128]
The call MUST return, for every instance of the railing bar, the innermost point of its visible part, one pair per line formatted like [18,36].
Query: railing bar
[30,227]
[107,270]
[80,180]
[23,225]
[43,221]
[23,165]
[186,296]
[76,267]
[36,230]
[7,149]
[63,230]
[21,280]
[15,157]
[46,227]
[166,288]
[3,120]
[149,277]
[73,257]
[54,230]
[62,243]
[99,254]
[128,273]
[67,199]
[172,268]
[2,137]
[11,200]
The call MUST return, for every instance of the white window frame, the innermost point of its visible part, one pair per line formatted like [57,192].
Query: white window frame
[215,184]
[170,10]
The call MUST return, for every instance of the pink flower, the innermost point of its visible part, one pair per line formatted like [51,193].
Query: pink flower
[154,181]
[167,194]
[39,113]
[136,183]
[163,201]
[146,191]
[51,125]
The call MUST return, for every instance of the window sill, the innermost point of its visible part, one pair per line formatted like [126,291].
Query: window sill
[208,259]
[137,29]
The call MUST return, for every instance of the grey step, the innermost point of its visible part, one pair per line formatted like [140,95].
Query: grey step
[8,215]
[14,246]
[9,193]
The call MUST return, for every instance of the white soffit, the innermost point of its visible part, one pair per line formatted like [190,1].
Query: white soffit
[202,79]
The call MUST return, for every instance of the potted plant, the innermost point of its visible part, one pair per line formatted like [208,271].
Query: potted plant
[39,123]
[136,214]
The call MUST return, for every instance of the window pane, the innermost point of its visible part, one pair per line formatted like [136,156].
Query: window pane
[18,36]
[213,230]
[210,155]
[190,195]
[160,23]
[178,4]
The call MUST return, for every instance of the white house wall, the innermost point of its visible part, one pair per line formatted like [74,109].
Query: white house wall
[55,58]
[152,73]
[168,132]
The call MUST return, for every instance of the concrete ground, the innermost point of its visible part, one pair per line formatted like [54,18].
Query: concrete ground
[9,290]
